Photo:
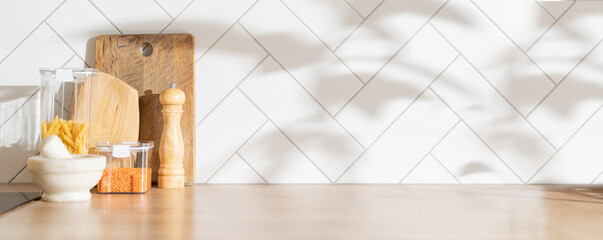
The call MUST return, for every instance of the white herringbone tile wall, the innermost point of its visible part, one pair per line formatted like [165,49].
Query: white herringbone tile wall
[346,91]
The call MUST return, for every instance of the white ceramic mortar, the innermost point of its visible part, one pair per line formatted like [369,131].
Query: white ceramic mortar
[69,179]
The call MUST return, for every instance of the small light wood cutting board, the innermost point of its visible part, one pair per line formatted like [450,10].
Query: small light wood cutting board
[111,108]
[171,60]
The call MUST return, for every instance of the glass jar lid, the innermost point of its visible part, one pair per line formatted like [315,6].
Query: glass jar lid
[133,146]
[76,71]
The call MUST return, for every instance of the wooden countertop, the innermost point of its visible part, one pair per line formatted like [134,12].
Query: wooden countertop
[318,212]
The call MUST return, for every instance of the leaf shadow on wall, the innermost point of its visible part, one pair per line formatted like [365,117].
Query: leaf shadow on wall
[322,86]
[393,90]
[575,94]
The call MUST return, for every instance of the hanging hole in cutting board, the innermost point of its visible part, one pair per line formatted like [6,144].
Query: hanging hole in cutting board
[146,49]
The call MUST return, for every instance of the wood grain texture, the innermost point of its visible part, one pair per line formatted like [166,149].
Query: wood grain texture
[112,112]
[172,60]
[393,211]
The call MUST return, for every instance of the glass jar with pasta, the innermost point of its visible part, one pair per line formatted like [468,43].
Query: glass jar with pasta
[65,105]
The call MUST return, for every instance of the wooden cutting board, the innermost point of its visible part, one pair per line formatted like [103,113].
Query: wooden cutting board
[113,107]
[149,63]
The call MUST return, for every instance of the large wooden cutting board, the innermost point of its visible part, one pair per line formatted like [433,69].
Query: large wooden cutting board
[171,60]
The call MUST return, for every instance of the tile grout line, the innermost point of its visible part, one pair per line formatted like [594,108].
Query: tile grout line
[563,145]
[377,72]
[349,100]
[22,41]
[249,165]
[227,30]
[593,181]
[428,21]
[539,68]
[269,55]
[175,17]
[514,43]
[458,121]
[320,39]
[351,164]
[347,132]
[102,13]
[259,109]
[28,35]
[547,12]
[66,43]
[16,175]
[163,9]
[383,66]
[549,28]
[68,60]
[236,151]
[396,119]
[412,169]
[306,25]
[219,168]
[358,26]
[478,136]
[582,60]
[19,108]
[215,42]
[445,168]
[232,90]
[540,133]
[497,91]
[352,7]
[563,79]
[301,86]
[285,135]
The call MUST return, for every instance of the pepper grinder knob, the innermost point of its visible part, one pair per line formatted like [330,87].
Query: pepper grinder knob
[171,147]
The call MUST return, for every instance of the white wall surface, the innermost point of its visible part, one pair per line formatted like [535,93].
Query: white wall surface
[347,91]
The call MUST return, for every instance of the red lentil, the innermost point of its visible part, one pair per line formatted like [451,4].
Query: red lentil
[125,180]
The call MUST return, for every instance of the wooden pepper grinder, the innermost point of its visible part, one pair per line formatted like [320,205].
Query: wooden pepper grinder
[171,147]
